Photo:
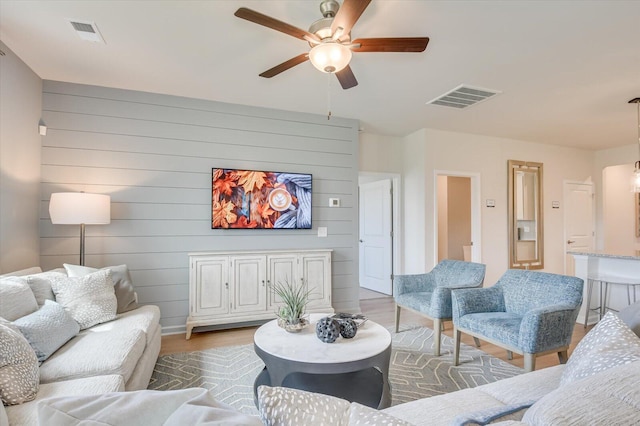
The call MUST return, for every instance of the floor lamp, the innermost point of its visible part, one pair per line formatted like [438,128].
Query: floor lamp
[80,208]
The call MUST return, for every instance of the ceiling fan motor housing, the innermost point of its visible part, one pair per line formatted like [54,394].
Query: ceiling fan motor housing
[329,8]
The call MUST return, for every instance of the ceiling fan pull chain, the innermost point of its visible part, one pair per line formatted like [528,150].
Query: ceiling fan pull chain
[329,95]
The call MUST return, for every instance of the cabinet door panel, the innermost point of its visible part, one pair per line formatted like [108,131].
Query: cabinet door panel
[316,274]
[212,290]
[249,283]
[282,269]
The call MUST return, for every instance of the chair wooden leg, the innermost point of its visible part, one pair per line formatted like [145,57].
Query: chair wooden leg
[437,333]
[477,341]
[563,357]
[509,355]
[456,346]
[529,362]
[397,317]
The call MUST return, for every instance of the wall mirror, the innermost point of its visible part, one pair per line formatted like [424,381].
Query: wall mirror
[525,215]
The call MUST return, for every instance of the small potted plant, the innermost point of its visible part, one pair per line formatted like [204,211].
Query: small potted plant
[295,299]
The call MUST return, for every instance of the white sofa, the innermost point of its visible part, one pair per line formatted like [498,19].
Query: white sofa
[118,355]
[608,398]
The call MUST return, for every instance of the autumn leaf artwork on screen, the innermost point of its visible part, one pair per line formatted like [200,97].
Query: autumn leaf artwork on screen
[248,199]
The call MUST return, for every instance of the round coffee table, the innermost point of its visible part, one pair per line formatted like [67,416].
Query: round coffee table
[354,369]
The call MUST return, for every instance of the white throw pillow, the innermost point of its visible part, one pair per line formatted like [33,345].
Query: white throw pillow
[16,298]
[40,285]
[90,299]
[609,344]
[122,283]
[19,369]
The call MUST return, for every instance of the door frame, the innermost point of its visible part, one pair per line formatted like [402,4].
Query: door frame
[476,218]
[396,225]
[565,184]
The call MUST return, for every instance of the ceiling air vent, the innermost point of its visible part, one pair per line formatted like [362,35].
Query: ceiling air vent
[463,97]
[87,31]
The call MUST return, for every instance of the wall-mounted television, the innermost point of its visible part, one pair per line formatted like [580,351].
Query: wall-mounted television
[250,199]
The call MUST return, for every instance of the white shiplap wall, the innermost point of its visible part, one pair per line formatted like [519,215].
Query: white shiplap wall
[154,153]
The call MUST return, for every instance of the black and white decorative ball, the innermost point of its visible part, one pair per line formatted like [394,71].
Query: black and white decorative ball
[328,330]
[348,328]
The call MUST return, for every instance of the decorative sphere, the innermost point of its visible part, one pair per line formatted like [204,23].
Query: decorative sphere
[348,328]
[328,330]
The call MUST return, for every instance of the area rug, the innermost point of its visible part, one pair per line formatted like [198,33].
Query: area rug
[414,372]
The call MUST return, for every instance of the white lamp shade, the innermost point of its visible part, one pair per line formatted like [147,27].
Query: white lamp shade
[75,208]
[330,56]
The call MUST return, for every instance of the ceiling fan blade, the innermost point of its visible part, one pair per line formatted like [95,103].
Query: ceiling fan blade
[269,22]
[348,15]
[285,65]
[346,78]
[396,44]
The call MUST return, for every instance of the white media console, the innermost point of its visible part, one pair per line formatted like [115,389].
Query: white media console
[234,287]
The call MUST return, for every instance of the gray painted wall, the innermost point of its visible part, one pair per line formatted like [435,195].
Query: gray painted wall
[20,109]
[154,153]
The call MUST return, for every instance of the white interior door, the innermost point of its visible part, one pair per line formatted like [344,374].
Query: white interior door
[376,239]
[578,219]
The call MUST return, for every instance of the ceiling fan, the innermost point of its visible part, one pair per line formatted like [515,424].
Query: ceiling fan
[330,39]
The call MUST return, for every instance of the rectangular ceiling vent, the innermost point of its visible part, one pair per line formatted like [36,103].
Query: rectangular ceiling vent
[87,31]
[463,96]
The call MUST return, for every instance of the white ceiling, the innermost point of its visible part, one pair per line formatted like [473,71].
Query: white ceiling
[566,69]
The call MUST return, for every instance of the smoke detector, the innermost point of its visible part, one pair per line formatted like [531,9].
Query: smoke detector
[463,96]
[87,31]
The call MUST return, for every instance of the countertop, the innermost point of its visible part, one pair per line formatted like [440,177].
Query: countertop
[633,255]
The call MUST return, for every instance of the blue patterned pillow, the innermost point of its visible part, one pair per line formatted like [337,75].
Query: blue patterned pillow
[47,329]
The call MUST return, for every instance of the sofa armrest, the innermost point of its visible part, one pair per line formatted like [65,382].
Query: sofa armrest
[476,300]
[413,283]
[441,298]
[546,328]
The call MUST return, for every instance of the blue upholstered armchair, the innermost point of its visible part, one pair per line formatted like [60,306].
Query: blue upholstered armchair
[430,294]
[527,312]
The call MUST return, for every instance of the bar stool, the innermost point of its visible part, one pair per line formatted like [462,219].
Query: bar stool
[590,282]
[629,283]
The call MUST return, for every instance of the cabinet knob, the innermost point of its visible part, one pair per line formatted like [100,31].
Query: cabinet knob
[262,283]
[226,285]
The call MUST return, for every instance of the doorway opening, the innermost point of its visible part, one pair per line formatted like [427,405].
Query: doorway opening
[379,233]
[457,216]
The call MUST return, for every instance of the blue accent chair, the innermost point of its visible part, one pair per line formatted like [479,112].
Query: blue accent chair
[429,294]
[527,312]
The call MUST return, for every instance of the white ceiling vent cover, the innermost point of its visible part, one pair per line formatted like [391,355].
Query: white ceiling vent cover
[87,31]
[463,96]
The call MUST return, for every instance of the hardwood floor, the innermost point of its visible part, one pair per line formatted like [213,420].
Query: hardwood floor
[380,310]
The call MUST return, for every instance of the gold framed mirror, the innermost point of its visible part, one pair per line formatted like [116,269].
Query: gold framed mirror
[526,222]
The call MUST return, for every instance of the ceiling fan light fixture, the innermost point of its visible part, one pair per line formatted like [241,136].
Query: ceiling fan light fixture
[330,56]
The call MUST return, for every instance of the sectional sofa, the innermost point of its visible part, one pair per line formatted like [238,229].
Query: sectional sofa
[115,355]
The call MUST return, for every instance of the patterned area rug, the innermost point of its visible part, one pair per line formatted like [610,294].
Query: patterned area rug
[414,372]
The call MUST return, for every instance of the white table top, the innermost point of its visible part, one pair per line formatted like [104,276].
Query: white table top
[370,340]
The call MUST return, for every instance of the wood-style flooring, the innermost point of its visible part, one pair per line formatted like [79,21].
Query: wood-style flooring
[380,310]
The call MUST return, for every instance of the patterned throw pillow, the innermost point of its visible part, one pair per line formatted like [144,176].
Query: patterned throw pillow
[122,283]
[90,299]
[285,406]
[609,344]
[47,329]
[19,370]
